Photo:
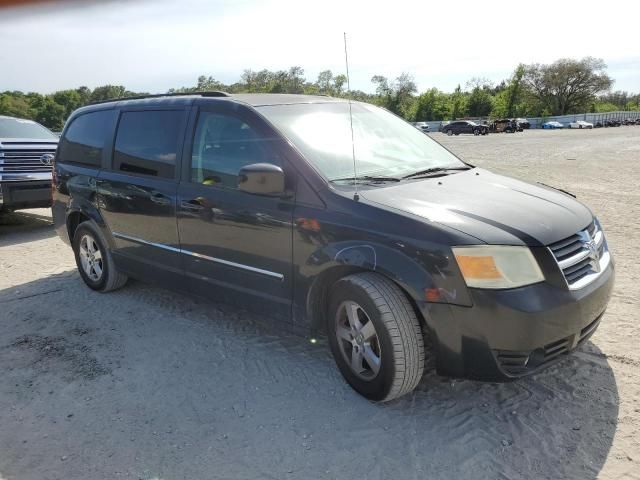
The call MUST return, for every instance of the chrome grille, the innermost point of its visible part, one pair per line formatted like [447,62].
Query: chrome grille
[582,257]
[22,161]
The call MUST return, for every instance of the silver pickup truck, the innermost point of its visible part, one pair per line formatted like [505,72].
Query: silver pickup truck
[27,150]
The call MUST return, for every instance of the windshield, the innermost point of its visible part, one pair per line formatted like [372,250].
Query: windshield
[384,144]
[19,128]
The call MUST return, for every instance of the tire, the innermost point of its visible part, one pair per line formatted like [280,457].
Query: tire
[476,132]
[449,132]
[396,346]
[94,260]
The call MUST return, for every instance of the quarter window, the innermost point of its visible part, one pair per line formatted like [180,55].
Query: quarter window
[222,145]
[84,140]
[147,142]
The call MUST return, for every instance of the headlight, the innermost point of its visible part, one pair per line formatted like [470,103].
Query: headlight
[497,266]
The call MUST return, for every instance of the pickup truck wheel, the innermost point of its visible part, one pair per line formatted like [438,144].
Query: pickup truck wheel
[375,336]
[94,260]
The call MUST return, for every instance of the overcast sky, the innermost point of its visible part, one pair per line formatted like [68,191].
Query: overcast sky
[155,45]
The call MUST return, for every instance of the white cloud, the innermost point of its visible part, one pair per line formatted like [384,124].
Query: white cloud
[155,45]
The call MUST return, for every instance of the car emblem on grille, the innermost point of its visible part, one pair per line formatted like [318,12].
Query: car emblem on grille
[594,254]
[46,159]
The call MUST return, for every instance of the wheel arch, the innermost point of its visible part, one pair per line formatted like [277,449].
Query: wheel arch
[82,213]
[360,258]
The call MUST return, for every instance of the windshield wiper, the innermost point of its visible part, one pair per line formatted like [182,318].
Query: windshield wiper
[369,178]
[429,171]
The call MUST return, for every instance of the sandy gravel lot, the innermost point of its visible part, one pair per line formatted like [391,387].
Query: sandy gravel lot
[148,384]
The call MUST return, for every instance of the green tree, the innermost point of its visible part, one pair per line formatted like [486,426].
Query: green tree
[69,100]
[325,81]
[339,81]
[514,92]
[15,104]
[108,92]
[480,102]
[431,105]
[567,85]
[397,96]
[48,112]
[457,103]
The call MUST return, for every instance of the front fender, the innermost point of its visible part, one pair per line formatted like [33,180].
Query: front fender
[431,276]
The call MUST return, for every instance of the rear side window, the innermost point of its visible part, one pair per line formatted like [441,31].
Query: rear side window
[147,142]
[85,138]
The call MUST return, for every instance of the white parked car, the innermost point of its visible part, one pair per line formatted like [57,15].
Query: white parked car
[422,126]
[580,124]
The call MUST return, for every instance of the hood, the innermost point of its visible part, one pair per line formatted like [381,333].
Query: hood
[21,141]
[493,208]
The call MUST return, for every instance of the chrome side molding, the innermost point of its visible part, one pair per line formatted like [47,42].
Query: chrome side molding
[221,261]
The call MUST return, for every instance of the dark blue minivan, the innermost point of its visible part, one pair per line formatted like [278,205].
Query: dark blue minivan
[337,217]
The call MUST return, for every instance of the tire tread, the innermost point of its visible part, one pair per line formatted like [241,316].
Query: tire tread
[403,327]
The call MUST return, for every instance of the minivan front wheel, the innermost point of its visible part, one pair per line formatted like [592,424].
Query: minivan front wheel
[94,260]
[375,336]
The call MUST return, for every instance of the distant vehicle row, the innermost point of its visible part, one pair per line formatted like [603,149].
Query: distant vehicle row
[589,125]
[512,125]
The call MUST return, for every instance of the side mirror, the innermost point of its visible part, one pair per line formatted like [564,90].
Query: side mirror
[261,179]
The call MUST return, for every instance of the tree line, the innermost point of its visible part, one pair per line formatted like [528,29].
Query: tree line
[565,86]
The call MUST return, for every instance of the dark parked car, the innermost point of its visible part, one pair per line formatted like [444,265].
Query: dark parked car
[26,155]
[254,199]
[465,126]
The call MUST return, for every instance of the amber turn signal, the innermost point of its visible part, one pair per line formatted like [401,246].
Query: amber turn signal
[478,267]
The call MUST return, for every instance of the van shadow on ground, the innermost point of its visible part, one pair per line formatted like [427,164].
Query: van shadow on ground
[145,383]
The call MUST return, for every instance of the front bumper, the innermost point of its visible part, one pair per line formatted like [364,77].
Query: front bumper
[510,333]
[31,194]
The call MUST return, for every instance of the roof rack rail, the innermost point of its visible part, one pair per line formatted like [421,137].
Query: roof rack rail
[159,95]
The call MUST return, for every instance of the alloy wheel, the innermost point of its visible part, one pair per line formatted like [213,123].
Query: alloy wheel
[358,340]
[91,258]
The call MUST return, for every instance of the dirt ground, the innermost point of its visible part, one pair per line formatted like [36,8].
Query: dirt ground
[148,384]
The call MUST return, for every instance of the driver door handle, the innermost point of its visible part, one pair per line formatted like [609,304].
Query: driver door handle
[159,198]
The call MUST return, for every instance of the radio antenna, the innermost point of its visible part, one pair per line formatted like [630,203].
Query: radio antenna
[356,197]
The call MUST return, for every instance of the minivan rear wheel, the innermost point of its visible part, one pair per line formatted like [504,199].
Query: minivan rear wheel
[449,132]
[94,260]
[375,336]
